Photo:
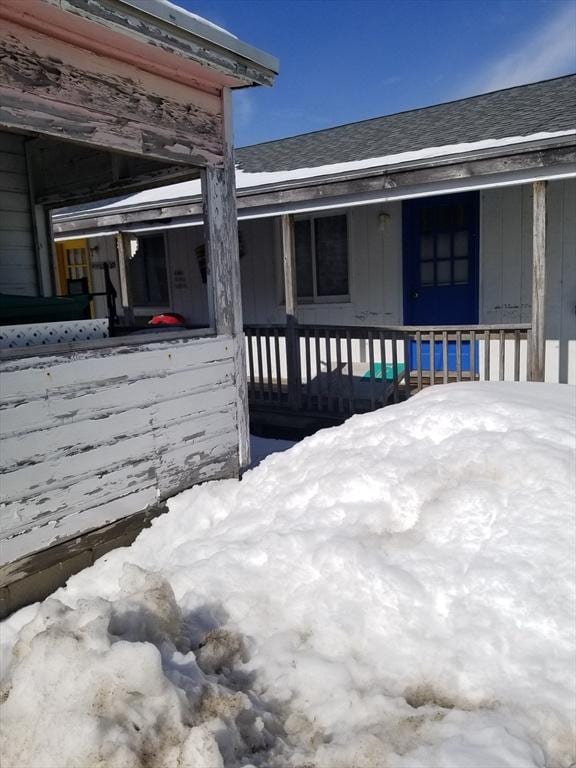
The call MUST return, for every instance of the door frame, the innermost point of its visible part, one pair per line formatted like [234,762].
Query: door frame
[408,243]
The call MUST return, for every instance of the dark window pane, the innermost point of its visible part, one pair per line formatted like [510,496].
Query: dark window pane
[331,256]
[443,245]
[303,253]
[426,247]
[461,271]
[461,244]
[148,274]
[443,276]
[427,273]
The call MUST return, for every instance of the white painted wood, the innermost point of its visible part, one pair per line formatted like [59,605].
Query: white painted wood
[90,437]
[221,236]
[17,252]
[506,268]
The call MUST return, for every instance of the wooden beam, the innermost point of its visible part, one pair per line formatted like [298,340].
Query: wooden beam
[486,172]
[291,299]
[56,89]
[537,347]
[223,260]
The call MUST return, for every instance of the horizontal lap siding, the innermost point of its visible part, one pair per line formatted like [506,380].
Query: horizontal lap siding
[506,268]
[93,437]
[17,252]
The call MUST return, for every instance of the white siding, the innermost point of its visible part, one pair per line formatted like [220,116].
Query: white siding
[506,267]
[17,249]
[375,272]
[90,437]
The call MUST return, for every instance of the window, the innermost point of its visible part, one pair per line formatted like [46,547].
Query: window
[147,271]
[444,245]
[321,250]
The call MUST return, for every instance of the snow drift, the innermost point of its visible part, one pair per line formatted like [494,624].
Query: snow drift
[397,592]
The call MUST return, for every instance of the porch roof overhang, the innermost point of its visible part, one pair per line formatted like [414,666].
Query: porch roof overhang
[545,157]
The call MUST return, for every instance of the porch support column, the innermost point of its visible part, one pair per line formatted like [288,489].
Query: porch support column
[537,347]
[223,262]
[291,299]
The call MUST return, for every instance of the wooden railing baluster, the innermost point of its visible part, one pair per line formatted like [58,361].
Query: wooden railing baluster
[516,355]
[445,356]
[395,366]
[350,372]
[432,348]
[334,392]
[419,359]
[278,364]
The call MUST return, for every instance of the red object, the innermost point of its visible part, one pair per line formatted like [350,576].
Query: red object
[167,318]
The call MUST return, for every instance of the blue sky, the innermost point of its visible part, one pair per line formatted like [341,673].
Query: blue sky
[343,61]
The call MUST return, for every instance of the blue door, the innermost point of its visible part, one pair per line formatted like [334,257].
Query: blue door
[441,265]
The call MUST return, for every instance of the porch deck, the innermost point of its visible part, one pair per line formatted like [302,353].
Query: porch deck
[314,375]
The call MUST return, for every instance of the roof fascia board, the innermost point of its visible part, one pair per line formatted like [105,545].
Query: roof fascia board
[546,160]
[515,178]
[241,67]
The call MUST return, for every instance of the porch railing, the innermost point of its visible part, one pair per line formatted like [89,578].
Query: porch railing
[341,370]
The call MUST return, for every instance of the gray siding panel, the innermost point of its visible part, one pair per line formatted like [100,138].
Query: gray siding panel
[91,437]
[17,249]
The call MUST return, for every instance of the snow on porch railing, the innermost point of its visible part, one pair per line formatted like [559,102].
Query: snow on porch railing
[350,369]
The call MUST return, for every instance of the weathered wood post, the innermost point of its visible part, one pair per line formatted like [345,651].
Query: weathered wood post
[291,298]
[537,346]
[221,238]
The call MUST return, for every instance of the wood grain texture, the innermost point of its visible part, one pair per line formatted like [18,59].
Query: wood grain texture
[156,34]
[91,437]
[47,87]
[221,238]
[537,347]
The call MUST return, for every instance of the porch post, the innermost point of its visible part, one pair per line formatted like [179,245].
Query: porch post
[223,262]
[537,347]
[291,298]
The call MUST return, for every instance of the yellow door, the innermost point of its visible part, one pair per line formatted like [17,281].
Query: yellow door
[73,263]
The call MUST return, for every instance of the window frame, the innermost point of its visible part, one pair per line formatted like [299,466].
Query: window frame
[316,299]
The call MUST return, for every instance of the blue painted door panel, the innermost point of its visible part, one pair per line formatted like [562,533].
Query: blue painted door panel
[441,260]
[439,356]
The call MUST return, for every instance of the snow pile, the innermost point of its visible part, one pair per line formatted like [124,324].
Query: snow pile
[394,593]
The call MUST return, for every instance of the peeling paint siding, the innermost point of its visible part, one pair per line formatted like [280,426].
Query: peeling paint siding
[17,255]
[93,436]
[67,92]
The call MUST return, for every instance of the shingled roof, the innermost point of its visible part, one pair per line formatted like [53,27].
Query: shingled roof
[546,106]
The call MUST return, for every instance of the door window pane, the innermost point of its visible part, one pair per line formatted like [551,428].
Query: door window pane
[461,271]
[443,273]
[461,244]
[443,245]
[303,252]
[426,247]
[331,240]
[427,273]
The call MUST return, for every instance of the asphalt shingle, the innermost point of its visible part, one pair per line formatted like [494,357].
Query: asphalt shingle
[545,106]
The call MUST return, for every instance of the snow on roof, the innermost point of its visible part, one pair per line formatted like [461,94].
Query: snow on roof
[397,591]
[245,181]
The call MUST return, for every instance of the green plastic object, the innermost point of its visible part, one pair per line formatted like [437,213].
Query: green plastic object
[389,371]
[21,310]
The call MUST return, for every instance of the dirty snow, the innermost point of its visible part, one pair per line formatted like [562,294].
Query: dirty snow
[397,592]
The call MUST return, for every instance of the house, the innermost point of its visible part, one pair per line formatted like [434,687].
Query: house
[366,246]
[100,99]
